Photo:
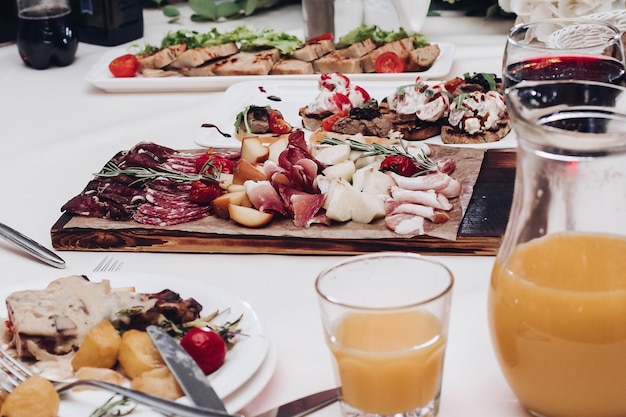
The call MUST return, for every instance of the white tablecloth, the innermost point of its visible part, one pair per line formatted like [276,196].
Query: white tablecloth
[56,130]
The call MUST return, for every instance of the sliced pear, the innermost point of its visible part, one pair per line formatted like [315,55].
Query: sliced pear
[248,216]
[221,203]
[253,150]
[343,170]
[225,180]
[333,154]
[247,171]
[340,200]
[367,207]
[276,148]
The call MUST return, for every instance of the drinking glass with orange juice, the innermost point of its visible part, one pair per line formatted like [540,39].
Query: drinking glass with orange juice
[385,317]
[557,300]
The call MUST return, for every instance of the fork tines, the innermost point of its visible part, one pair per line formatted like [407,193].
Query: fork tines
[109,264]
[13,371]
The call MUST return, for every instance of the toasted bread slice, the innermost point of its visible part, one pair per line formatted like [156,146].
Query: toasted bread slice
[450,135]
[312,121]
[409,126]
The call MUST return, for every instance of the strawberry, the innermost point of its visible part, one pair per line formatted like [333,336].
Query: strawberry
[206,347]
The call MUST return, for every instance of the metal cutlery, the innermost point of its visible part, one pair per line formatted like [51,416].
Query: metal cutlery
[185,369]
[30,246]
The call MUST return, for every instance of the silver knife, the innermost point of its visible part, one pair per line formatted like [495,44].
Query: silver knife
[31,246]
[186,371]
[305,405]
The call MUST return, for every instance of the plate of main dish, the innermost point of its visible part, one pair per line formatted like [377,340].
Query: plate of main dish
[288,97]
[249,361]
[100,76]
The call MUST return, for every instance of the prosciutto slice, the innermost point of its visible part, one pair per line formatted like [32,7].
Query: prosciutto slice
[264,197]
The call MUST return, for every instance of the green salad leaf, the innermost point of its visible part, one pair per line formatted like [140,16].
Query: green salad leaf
[379,36]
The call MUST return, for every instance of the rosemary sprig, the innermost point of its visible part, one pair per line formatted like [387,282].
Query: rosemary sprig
[142,174]
[111,408]
[423,161]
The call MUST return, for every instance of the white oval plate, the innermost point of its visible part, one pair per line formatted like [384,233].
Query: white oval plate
[100,76]
[243,361]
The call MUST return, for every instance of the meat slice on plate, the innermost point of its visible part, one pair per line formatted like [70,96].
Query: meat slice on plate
[401,47]
[291,66]
[247,63]
[421,59]
[54,321]
[198,56]
[314,50]
[334,62]
[161,58]
[357,50]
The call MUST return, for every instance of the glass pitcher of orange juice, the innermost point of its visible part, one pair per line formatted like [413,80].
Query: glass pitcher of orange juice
[557,300]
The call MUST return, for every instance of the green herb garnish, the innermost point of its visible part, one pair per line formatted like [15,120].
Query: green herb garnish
[423,162]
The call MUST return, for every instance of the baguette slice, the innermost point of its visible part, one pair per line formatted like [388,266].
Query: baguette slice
[450,135]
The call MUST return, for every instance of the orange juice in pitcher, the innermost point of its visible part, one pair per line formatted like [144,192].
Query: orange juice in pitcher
[557,300]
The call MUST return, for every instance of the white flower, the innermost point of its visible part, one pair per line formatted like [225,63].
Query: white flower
[530,10]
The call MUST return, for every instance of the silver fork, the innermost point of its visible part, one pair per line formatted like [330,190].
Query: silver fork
[13,372]
[109,264]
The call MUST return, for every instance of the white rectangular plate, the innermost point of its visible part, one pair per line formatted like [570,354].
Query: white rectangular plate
[100,76]
[293,95]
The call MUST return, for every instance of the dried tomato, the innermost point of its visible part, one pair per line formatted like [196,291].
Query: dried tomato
[204,191]
[452,84]
[278,125]
[329,122]
[210,164]
[401,165]
[389,62]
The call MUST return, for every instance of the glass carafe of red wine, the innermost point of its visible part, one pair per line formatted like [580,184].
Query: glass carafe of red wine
[564,49]
[557,299]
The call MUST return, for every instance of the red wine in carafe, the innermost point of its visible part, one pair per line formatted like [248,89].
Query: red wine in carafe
[585,68]
[45,36]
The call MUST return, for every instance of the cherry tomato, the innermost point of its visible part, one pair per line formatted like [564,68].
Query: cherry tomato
[210,164]
[401,165]
[323,37]
[389,62]
[204,191]
[124,66]
[329,122]
[278,124]
[206,347]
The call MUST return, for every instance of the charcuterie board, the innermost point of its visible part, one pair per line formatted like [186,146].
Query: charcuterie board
[480,231]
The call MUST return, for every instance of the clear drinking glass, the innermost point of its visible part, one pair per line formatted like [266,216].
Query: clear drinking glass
[564,49]
[557,299]
[385,317]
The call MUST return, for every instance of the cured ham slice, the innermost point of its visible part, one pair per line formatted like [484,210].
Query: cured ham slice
[264,197]
[305,208]
[439,181]
[428,198]
[405,224]
[435,216]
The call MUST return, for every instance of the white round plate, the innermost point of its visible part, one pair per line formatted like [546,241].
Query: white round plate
[243,361]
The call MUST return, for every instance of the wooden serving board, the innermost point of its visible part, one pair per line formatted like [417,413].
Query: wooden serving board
[480,232]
